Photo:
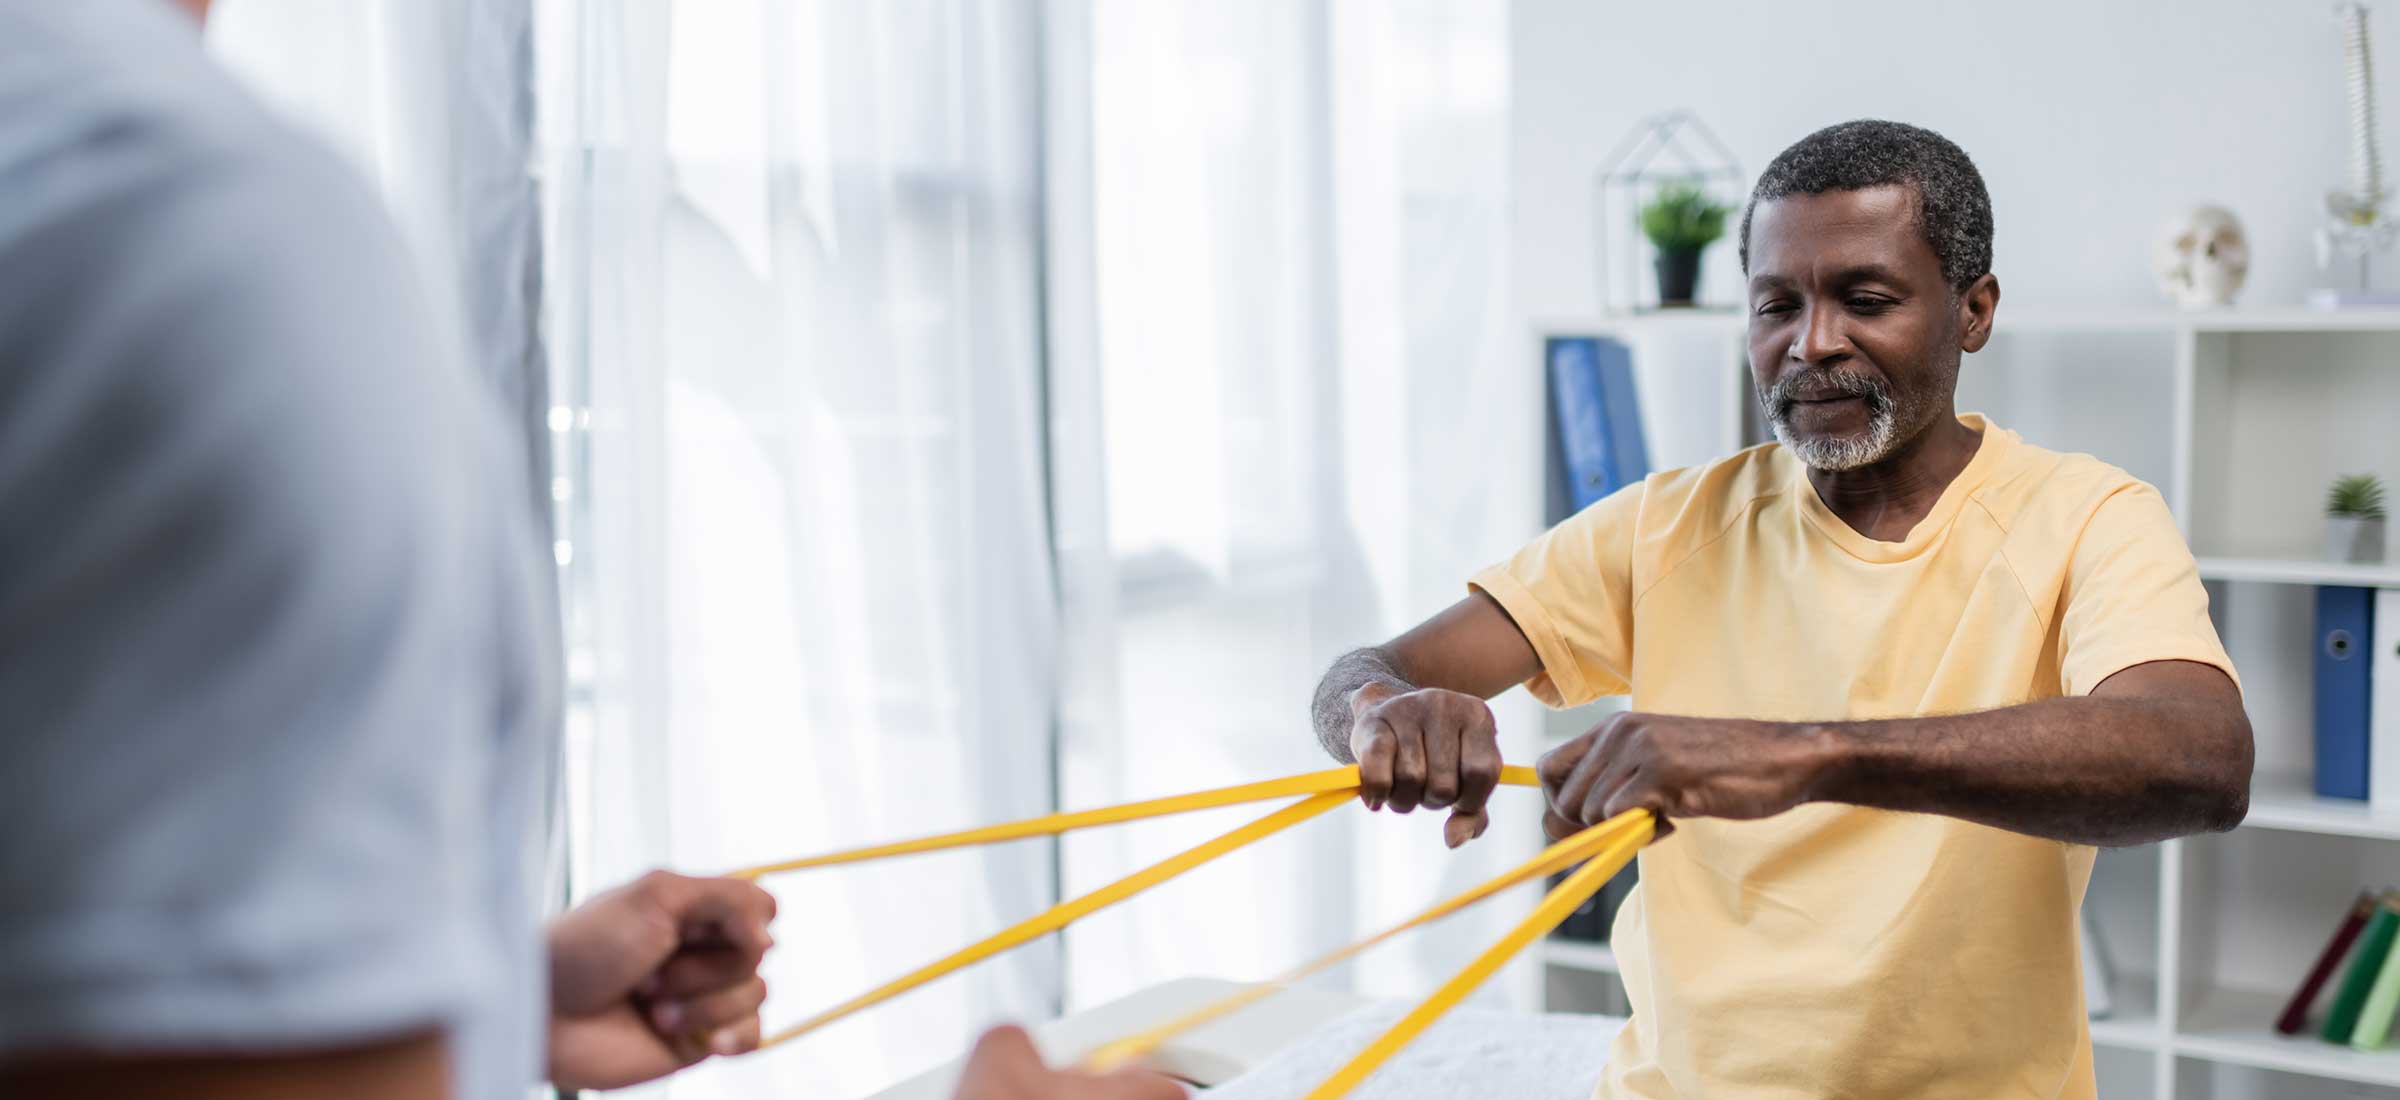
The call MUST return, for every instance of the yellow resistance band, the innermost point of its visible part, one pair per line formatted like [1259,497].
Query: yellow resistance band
[1331,779]
[1565,899]
[1324,790]
[1557,857]
[1067,912]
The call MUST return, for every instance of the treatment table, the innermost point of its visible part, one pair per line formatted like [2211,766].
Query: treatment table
[1279,1047]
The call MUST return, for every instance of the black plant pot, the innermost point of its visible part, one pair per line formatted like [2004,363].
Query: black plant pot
[1678,276]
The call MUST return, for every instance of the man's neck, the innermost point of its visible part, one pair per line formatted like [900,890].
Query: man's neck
[1886,500]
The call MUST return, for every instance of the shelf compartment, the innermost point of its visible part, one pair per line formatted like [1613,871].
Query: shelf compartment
[2236,1027]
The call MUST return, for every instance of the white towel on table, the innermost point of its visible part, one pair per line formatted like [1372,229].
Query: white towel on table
[1467,1054]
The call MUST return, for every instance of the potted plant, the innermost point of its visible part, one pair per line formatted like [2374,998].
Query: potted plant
[1680,221]
[2354,519]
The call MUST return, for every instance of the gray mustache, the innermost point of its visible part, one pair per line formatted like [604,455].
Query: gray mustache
[1820,381]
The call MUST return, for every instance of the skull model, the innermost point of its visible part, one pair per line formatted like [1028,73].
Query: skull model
[2202,258]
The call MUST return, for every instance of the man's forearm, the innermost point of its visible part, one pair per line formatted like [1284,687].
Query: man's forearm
[2087,770]
[1331,708]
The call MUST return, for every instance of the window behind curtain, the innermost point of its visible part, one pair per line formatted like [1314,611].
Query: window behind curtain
[796,316]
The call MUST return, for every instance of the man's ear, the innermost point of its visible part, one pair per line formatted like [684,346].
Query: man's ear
[1976,305]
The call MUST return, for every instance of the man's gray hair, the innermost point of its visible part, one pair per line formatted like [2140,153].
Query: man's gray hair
[1953,209]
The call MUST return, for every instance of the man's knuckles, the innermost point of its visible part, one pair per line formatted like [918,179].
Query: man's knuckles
[1480,771]
[1374,739]
[1558,765]
[1432,706]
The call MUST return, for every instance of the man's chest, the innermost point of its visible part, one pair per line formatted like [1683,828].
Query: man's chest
[1791,632]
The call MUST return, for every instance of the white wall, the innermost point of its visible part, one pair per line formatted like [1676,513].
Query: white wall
[2092,121]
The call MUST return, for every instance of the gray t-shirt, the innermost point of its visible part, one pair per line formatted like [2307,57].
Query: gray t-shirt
[274,669]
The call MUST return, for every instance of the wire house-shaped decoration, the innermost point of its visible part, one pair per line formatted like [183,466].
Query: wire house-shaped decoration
[1670,148]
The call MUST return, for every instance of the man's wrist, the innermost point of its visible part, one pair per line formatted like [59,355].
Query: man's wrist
[1357,681]
[1836,757]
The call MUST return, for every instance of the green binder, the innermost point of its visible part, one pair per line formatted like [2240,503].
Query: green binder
[2375,1020]
[2373,945]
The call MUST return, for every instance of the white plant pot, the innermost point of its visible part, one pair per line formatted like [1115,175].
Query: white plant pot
[2353,539]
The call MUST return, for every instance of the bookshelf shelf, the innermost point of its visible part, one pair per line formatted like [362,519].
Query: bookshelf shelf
[2228,1025]
[2134,1025]
[2292,320]
[2285,802]
[2036,320]
[2119,1033]
[2298,571]
[1595,958]
[2240,418]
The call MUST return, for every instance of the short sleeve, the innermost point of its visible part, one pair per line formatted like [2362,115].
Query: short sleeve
[2133,595]
[1571,593]
[248,665]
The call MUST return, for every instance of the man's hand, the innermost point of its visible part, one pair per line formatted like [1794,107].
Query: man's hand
[1429,747]
[1679,767]
[1006,1067]
[655,976]
[1410,713]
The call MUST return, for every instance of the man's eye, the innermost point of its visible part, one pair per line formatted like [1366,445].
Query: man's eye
[1871,305]
[1773,308]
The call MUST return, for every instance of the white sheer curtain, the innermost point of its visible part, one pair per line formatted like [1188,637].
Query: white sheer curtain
[1440,416]
[1292,421]
[968,406]
[796,304]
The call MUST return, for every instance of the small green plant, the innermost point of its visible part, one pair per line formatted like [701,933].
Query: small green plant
[1682,218]
[2358,495]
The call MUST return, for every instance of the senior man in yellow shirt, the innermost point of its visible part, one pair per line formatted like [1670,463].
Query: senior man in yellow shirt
[1894,677]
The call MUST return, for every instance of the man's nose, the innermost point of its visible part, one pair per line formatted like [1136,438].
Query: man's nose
[1820,339]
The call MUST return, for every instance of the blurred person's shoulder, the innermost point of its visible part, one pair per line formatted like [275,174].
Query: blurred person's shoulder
[136,173]
[167,240]
[108,103]
[198,299]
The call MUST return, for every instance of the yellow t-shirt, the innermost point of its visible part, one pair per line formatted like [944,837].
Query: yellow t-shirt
[1834,951]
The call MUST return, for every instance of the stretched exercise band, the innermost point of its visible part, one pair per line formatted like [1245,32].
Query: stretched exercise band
[1331,779]
[1563,900]
[1067,912]
[1558,857]
[1607,845]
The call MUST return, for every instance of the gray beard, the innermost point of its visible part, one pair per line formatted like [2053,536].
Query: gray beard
[1884,419]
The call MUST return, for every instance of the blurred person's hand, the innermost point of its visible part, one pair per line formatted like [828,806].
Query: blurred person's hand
[1005,1066]
[655,976]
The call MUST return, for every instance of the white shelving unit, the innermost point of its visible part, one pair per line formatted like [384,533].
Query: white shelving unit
[2240,418]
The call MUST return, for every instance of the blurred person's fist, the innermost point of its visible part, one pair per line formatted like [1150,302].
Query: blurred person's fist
[655,976]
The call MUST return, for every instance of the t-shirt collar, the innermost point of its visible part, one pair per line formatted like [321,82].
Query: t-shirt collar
[1928,530]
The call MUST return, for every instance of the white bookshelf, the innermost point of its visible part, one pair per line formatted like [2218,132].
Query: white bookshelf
[2241,418]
